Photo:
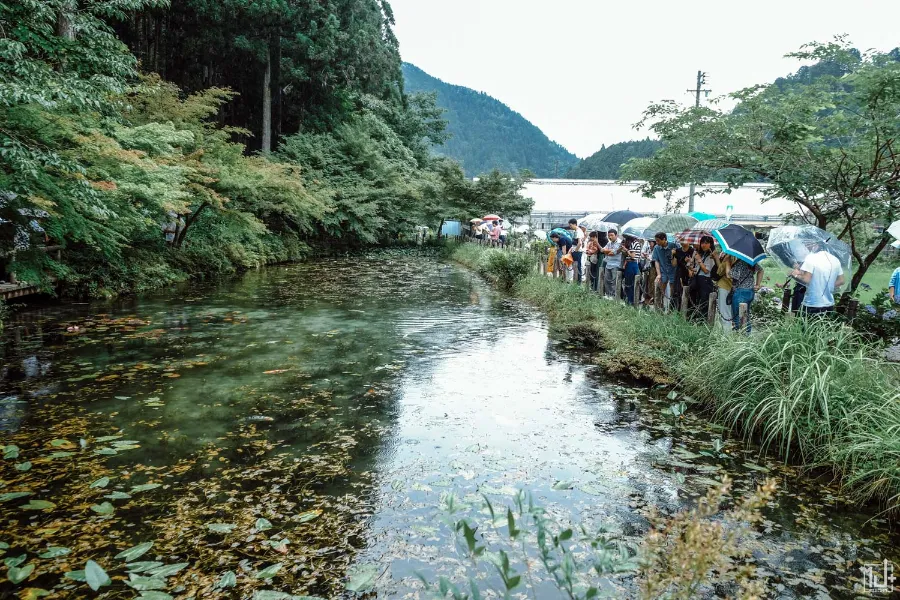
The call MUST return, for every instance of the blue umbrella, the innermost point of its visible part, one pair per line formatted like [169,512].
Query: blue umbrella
[701,216]
[561,232]
[740,243]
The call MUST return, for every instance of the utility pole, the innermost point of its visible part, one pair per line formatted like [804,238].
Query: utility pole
[701,79]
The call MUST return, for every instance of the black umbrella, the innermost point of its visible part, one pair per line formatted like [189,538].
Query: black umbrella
[740,243]
[620,217]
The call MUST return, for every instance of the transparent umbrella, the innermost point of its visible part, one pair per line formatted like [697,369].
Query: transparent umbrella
[595,222]
[672,223]
[636,227]
[791,245]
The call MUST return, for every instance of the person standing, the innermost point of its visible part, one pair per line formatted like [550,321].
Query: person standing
[746,281]
[633,247]
[502,234]
[894,286]
[684,257]
[704,268]
[495,233]
[613,252]
[578,248]
[593,259]
[664,264]
[649,270]
[821,273]
[724,284]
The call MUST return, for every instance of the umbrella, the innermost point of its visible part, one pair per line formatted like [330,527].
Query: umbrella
[740,243]
[791,244]
[560,231]
[476,221]
[636,227]
[701,216]
[672,223]
[894,229]
[491,218]
[700,229]
[620,217]
[596,223]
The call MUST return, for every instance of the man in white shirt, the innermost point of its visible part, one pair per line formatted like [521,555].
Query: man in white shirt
[821,273]
[613,252]
[577,236]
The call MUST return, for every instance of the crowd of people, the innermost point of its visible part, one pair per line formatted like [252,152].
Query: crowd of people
[667,269]
[491,231]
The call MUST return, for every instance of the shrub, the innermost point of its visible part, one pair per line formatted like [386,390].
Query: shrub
[508,268]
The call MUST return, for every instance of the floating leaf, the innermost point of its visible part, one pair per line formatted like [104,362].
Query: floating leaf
[756,467]
[104,508]
[75,576]
[141,583]
[60,455]
[563,485]
[168,570]
[307,516]
[143,566]
[61,443]
[38,505]
[271,595]
[220,527]
[154,595]
[33,593]
[135,552]
[55,551]
[228,579]
[263,524]
[361,578]
[25,466]
[672,395]
[105,451]
[15,561]
[95,576]
[4,546]
[107,438]
[117,496]
[10,452]
[13,496]
[17,575]
[101,483]
[269,572]
[145,487]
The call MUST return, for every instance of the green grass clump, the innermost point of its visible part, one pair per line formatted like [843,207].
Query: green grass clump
[504,267]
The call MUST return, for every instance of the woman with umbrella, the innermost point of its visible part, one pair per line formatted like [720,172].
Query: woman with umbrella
[744,253]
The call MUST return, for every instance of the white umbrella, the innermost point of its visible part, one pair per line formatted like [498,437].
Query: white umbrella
[894,229]
[636,227]
[595,222]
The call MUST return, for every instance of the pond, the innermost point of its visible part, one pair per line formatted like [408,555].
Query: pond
[302,425]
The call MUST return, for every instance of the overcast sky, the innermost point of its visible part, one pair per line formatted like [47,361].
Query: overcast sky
[583,70]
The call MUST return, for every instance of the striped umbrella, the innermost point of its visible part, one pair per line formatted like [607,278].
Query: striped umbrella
[672,223]
[740,243]
[636,227]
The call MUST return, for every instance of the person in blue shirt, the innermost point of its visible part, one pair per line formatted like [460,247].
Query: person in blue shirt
[894,286]
[665,263]
[563,247]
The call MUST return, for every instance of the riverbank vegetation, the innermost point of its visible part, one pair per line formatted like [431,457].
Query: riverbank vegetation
[288,136]
[815,393]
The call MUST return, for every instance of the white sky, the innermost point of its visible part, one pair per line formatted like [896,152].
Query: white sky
[583,70]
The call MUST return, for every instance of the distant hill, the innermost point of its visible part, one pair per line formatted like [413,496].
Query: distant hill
[607,162]
[487,134]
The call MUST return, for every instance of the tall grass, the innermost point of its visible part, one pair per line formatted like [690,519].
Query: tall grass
[813,391]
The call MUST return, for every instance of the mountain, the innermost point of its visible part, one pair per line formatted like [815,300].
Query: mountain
[487,134]
[607,162]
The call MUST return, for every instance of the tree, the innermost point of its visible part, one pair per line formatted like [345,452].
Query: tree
[830,143]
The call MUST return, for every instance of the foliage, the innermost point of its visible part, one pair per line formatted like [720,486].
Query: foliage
[485,134]
[607,162]
[828,143]
[508,268]
[682,556]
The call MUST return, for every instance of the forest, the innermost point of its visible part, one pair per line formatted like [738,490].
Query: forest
[154,141]
[485,134]
[607,162]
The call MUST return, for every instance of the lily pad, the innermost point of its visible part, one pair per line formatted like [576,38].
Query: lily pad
[263,524]
[105,451]
[221,527]
[95,576]
[107,438]
[17,575]
[135,552]
[25,466]
[361,578]
[168,570]
[55,552]
[145,487]
[142,584]
[104,508]
[101,483]
[227,580]
[142,566]
[269,572]
[307,516]
[10,452]
[60,455]
[13,496]
[15,561]
[75,576]
[38,505]
[563,485]
[117,496]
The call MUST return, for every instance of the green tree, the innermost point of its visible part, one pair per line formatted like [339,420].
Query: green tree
[830,143]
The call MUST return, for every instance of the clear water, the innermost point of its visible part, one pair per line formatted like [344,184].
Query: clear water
[340,400]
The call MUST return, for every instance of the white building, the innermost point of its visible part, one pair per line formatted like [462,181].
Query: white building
[557,200]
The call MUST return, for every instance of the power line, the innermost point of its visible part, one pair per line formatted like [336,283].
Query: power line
[701,79]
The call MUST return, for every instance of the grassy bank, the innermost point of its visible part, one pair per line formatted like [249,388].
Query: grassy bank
[815,393]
